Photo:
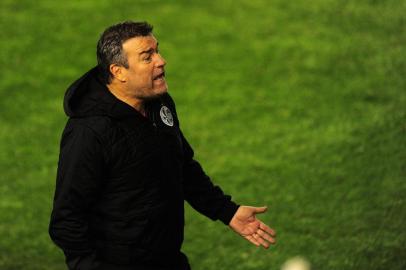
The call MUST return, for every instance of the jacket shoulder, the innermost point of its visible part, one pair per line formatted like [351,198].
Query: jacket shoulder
[166,98]
[99,125]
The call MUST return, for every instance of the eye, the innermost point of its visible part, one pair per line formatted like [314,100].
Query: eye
[149,58]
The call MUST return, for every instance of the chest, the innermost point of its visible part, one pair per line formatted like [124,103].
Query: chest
[148,152]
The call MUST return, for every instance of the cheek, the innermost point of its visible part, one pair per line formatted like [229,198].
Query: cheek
[141,78]
[145,75]
[145,81]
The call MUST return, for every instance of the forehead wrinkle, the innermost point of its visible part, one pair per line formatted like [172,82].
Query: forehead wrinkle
[140,45]
[148,40]
[150,50]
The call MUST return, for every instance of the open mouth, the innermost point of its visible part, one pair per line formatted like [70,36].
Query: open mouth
[160,76]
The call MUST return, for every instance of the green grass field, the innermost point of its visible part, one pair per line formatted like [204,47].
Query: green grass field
[298,105]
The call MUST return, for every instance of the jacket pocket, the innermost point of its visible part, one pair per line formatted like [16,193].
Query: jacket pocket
[122,231]
[121,254]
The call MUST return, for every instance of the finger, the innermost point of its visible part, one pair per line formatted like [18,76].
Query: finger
[266,236]
[260,240]
[265,228]
[259,210]
[263,243]
[252,240]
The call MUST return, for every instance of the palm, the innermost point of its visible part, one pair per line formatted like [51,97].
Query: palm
[246,224]
[252,229]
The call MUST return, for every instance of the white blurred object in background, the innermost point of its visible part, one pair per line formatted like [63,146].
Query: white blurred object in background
[296,263]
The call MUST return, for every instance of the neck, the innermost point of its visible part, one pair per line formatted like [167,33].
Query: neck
[121,94]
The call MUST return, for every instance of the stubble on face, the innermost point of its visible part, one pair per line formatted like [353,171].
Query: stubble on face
[146,73]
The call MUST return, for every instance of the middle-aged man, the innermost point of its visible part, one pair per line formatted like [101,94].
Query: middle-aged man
[125,168]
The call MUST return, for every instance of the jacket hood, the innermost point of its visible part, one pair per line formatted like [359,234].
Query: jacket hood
[89,96]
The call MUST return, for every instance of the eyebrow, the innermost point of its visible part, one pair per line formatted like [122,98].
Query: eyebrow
[150,50]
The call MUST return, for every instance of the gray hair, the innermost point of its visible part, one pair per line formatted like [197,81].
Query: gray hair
[110,45]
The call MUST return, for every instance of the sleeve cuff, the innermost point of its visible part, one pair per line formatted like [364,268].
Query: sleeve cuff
[228,211]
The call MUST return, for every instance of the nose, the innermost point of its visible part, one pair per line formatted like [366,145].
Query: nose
[160,61]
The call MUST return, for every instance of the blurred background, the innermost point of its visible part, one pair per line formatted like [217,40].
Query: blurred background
[298,105]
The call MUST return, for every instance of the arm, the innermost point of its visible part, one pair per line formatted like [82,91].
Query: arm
[210,200]
[78,180]
[201,193]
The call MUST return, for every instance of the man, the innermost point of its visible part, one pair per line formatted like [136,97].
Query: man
[125,167]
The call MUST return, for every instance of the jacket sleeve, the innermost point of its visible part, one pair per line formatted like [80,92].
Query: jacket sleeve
[78,181]
[201,193]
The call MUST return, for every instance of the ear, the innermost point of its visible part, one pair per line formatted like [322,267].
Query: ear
[118,72]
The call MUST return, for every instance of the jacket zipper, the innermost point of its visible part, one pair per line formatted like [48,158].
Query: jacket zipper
[151,117]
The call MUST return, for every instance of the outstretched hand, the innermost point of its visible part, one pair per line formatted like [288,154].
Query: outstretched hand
[245,223]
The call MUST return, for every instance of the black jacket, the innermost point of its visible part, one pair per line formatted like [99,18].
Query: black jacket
[122,179]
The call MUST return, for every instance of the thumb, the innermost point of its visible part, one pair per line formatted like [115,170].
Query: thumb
[259,210]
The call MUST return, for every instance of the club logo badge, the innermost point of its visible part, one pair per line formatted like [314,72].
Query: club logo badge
[166,116]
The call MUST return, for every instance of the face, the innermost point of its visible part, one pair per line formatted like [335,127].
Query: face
[145,76]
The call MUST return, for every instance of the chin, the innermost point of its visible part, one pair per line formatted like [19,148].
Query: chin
[162,91]
[155,94]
